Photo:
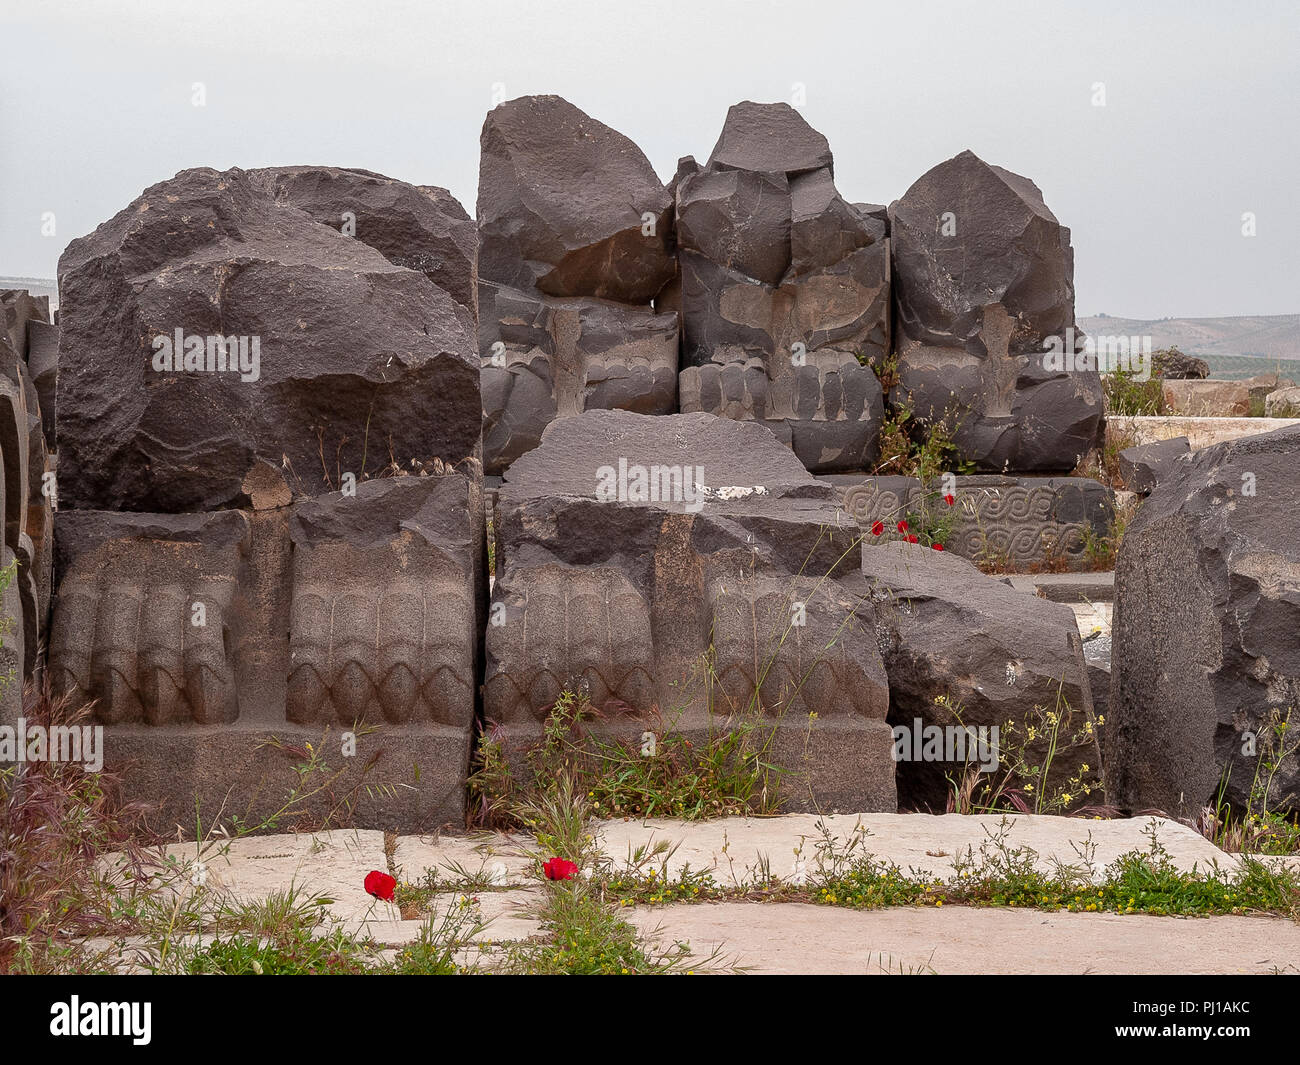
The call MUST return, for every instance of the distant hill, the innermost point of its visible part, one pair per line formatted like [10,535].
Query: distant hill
[1262,336]
[1239,367]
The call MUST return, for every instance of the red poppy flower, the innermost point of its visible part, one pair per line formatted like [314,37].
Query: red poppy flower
[877,528]
[902,526]
[559,869]
[937,547]
[950,499]
[381,885]
[913,540]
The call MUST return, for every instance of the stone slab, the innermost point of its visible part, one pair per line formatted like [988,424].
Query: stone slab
[1200,432]
[1098,587]
[1017,523]
[806,939]
[1207,398]
[734,848]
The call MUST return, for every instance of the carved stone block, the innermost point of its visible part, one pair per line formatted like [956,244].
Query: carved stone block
[575,232]
[208,642]
[983,284]
[546,358]
[785,291]
[386,606]
[685,573]
[1015,523]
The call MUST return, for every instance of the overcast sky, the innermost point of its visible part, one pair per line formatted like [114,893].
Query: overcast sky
[1200,123]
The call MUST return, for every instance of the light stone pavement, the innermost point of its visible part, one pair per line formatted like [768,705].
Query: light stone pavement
[788,937]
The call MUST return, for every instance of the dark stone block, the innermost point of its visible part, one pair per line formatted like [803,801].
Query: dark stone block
[678,571]
[1145,466]
[984,312]
[1205,661]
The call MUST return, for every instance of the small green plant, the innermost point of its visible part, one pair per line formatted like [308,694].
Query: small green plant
[1055,558]
[995,874]
[724,766]
[933,514]
[928,519]
[299,952]
[8,574]
[1100,550]
[303,941]
[76,864]
[443,943]
[1102,462]
[654,886]
[55,822]
[1260,828]
[1128,395]
[927,453]
[585,933]
[728,772]
[998,874]
[418,897]
[586,937]
[1031,754]
[910,447]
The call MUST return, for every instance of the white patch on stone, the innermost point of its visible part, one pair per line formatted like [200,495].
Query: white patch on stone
[731,491]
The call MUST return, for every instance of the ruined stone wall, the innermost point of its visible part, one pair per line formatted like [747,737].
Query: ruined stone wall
[749,288]
[273,396]
[271,525]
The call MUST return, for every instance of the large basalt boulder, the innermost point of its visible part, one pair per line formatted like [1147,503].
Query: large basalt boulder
[687,574]
[984,319]
[207,642]
[1175,365]
[420,227]
[359,362]
[963,649]
[564,205]
[784,290]
[771,137]
[576,250]
[1206,658]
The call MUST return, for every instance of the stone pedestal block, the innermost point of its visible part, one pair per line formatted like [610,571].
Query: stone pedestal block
[685,573]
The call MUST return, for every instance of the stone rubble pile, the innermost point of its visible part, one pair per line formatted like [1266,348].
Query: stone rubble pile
[274,395]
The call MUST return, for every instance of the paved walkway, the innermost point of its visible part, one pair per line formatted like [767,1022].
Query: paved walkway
[800,938]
